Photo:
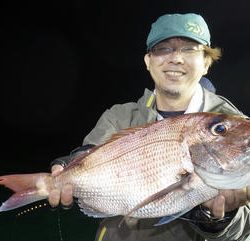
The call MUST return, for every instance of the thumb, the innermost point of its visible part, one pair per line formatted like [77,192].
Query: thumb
[56,169]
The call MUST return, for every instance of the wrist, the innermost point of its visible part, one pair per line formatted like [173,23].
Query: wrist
[207,222]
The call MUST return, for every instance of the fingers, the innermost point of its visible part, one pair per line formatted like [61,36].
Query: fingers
[218,207]
[63,196]
[209,204]
[240,197]
[67,196]
[234,198]
[54,198]
[228,200]
[248,193]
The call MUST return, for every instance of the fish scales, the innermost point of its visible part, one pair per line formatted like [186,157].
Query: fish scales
[133,168]
[138,165]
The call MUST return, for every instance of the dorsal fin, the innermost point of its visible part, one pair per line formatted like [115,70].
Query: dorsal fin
[124,132]
[78,158]
[128,131]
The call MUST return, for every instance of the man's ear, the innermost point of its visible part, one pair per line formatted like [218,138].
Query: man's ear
[146,60]
[208,62]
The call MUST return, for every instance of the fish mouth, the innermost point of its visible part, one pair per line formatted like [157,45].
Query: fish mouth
[224,172]
[234,162]
[239,165]
[238,179]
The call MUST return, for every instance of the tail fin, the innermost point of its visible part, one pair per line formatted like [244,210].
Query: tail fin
[28,188]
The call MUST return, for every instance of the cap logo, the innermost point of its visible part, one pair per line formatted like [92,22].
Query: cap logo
[194,28]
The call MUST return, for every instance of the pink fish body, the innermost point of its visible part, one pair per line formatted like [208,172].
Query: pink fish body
[155,170]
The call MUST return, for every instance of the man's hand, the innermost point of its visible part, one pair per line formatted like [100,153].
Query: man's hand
[228,200]
[64,196]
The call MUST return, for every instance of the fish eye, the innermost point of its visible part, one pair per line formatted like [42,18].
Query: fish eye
[219,129]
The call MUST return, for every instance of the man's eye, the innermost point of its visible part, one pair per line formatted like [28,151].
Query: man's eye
[165,50]
[188,49]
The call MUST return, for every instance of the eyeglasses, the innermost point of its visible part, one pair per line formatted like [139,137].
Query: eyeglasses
[185,50]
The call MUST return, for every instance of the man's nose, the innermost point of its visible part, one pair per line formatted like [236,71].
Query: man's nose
[176,57]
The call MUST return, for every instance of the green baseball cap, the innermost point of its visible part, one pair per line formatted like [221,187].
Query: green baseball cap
[187,25]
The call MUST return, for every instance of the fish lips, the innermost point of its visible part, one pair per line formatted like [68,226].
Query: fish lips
[236,179]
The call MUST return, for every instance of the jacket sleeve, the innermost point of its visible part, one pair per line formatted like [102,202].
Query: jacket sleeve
[105,127]
[103,130]
[119,116]
[64,160]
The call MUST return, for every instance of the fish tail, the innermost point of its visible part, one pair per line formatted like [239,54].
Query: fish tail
[28,188]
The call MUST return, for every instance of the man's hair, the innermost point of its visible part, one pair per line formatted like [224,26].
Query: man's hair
[213,54]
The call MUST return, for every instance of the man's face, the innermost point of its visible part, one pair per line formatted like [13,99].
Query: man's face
[176,66]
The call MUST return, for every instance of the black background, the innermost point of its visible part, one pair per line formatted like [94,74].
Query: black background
[64,63]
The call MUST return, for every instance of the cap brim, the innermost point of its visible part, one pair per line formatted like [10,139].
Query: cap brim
[184,35]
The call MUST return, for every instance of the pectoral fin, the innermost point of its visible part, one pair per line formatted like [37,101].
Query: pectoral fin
[175,186]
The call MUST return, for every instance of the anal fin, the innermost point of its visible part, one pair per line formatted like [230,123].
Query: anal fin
[170,218]
[92,212]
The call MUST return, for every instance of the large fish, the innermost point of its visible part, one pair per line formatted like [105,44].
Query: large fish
[160,169]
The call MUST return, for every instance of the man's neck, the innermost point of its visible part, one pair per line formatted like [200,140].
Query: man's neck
[190,103]
[165,103]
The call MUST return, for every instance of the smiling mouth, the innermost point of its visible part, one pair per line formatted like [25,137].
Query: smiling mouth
[174,73]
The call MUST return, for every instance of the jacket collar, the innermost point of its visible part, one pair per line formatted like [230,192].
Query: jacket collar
[149,101]
[202,101]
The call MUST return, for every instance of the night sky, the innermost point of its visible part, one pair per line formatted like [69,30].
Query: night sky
[64,63]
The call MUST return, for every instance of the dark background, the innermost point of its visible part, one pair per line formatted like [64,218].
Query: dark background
[64,63]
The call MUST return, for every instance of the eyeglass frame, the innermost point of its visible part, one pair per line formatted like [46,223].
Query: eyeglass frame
[184,50]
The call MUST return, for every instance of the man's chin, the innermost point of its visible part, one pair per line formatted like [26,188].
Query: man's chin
[175,94]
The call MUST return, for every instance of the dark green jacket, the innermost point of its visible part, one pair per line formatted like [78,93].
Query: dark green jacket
[143,111]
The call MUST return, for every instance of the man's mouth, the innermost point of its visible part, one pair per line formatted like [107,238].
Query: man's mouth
[174,73]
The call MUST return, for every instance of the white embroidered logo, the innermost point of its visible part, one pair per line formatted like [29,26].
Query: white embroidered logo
[194,27]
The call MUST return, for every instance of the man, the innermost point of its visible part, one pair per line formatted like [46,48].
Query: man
[178,55]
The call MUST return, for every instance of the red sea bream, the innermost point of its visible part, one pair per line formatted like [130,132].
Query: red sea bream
[164,168]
